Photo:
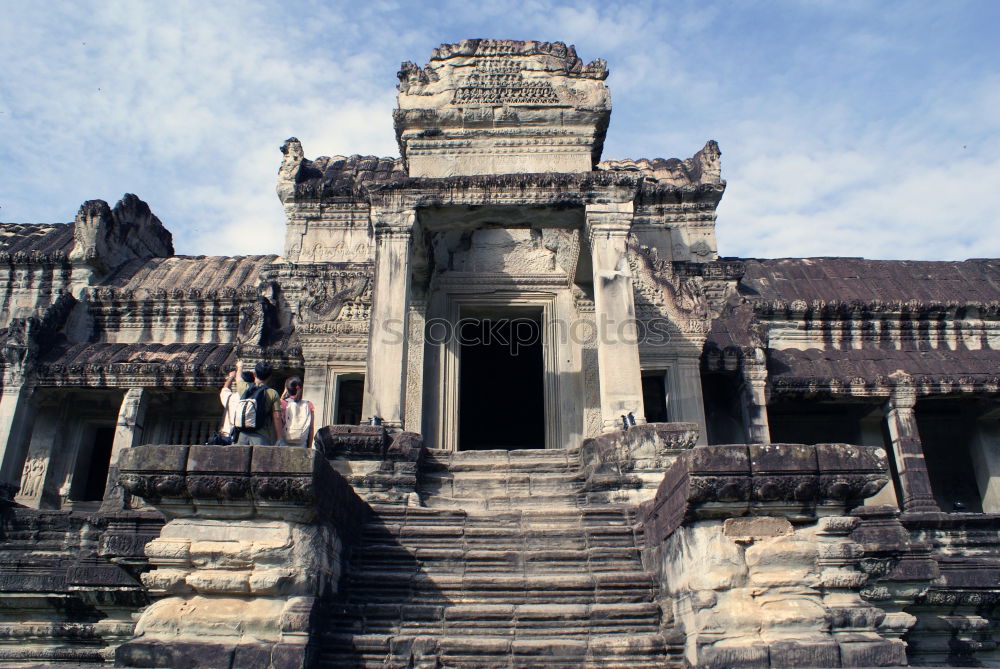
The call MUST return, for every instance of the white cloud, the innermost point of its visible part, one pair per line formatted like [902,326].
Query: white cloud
[844,132]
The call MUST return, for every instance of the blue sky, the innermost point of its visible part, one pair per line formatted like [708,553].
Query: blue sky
[847,128]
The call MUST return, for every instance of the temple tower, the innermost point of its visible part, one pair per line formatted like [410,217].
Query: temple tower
[508,275]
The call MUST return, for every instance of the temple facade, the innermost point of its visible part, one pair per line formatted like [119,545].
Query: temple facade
[558,428]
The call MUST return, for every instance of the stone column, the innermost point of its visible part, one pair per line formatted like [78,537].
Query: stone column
[414,388]
[16,417]
[754,398]
[128,433]
[45,461]
[608,226]
[686,402]
[385,383]
[316,388]
[907,449]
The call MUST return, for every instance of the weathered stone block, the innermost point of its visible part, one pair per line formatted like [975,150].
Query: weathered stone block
[218,459]
[794,653]
[155,458]
[756,528]
[849,474]
[352,441]
[175,654]
[284,460]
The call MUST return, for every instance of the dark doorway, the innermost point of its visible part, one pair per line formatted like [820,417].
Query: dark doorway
[723,415]
[91,476]
[654,396]
[501,384]
[350,394]
[947,428]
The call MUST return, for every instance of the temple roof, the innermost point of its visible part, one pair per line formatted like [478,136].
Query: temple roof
[931,365]
[819,289]
[145,353]
[351,176]
[959,283]
[209,275]
[36,238]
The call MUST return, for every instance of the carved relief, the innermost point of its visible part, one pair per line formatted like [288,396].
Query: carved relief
[251,325]
[327,295]
[496,79]
[665,292]
[33,476]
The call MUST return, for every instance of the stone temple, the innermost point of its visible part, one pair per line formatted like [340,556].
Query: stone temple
[558,429]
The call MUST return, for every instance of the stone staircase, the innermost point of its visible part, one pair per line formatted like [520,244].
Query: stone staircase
[507,565]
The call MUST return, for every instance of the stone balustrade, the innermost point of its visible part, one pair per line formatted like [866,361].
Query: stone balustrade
[252,545]
[628,465]
[381,467]
[756,563]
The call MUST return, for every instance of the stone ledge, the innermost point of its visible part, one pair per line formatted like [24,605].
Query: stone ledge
[240,482]
[199,655]
[353,441]
[798,481]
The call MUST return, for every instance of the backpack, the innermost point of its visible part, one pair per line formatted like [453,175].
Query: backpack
[251,414]
[298,421]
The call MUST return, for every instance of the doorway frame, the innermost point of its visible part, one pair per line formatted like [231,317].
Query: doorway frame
[449,387]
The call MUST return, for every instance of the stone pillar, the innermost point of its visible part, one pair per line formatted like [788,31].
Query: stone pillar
[754,396]
[608,226]
[128,433]
[907,449]
[414,388]
[686,402]
[16,417]
[872,434]
[385,383]
[316,388]
[45,460]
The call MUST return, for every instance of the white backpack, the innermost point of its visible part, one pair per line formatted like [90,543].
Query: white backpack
[249,409]
[298,421]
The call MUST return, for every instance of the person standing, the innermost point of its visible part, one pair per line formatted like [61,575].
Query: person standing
[298,415]
[268,407]
[229,396]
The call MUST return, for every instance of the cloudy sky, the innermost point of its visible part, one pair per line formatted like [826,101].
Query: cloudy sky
[847,128]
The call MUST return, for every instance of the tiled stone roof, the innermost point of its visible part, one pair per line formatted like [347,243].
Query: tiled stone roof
[828,291]
[209,275]
[204,355]
[871,363]
[36,238]
[845,280]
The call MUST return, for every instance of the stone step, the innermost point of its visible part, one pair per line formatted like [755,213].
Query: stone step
[390,513]
[422,587]
[634,651]
[500,503]
[497,619]
[543,481]
[517,460]
[466,539]
[491,581]
[508,558]
[398,516]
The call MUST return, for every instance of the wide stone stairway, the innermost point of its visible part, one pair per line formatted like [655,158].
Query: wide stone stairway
[506,565]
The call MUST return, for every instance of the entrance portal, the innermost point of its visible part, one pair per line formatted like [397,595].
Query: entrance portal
[501,382]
